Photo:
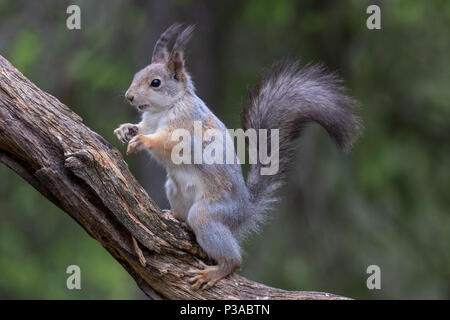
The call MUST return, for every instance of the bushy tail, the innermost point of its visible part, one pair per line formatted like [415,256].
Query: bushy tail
[286,98]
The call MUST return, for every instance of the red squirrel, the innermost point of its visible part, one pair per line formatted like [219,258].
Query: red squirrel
[214,199]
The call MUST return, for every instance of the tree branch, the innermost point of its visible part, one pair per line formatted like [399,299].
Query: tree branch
[48,145]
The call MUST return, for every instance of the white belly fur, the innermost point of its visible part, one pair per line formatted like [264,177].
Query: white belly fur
[188,187]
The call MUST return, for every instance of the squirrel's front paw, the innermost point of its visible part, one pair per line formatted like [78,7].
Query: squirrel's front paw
[136,144]
[126,132]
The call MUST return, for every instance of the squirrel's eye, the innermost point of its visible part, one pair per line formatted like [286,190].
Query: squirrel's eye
[155,83]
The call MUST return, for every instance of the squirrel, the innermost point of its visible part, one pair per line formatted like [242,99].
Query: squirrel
[214,199]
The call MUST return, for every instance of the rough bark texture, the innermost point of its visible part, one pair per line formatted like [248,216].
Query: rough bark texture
[48,145]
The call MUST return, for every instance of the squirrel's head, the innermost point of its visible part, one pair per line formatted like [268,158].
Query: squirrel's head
[162,83]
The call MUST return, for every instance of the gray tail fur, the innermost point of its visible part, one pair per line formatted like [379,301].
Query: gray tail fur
[286,98]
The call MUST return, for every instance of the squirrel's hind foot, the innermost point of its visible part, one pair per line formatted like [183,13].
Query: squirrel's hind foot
[207,277]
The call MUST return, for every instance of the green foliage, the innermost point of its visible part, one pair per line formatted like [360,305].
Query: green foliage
[25,50]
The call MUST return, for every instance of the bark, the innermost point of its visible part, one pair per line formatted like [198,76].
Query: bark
[48,145]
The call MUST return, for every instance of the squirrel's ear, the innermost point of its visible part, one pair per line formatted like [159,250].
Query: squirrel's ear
[176,58]
[160,52]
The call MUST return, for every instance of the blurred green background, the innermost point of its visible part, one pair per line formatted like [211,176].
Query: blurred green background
[387,203]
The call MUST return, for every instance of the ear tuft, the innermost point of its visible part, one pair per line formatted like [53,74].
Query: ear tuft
[183,38]
[160,52]
[176,58]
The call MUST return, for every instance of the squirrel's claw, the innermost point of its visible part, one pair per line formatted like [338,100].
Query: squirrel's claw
[126,132]
[135,145]
[204,278]
[197,281]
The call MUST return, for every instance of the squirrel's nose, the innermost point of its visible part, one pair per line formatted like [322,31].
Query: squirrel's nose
[129,97]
